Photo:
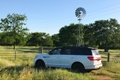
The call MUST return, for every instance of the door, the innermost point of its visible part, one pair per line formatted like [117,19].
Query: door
[66,57]
[53,59]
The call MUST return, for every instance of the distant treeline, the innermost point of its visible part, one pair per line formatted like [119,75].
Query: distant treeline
[100,34]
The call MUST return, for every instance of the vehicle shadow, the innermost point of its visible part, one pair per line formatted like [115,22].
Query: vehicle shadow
[53,68]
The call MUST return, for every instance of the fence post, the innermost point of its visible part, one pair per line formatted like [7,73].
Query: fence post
[108,58]
[15,54]
[41,49]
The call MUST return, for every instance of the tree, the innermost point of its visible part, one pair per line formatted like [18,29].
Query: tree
[89,38]
[40,39]
[34,39]
[13,24]
[56,39]
[69,35]
[104,33]
[6,39]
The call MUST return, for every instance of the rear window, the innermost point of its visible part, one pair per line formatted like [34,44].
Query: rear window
[95,52]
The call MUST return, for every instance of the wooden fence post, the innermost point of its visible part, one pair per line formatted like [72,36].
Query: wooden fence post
[41,49]
[15,54]
[108,58]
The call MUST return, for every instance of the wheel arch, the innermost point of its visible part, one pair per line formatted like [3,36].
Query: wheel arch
[77,63]
[40,60]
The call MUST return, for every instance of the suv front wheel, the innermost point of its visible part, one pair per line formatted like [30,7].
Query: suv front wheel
[40,64]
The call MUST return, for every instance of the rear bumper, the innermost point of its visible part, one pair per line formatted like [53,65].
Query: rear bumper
[93,67]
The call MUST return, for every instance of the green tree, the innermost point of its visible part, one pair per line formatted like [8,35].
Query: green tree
[34,39]
[56,39]
[89,38]
[6,39]
[104,33]
[69,35]
[13,24]
[40,39]
[47,40]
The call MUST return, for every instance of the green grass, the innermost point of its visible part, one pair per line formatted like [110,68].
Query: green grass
[112,68]
[22,68]
[28,73]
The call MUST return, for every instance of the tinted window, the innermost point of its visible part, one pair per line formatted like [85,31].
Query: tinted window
[66,51]
[82,51]
[72,51]
[56,51]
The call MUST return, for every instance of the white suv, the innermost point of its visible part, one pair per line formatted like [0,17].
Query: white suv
[76,58]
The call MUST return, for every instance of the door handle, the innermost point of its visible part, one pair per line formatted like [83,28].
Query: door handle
[46,57]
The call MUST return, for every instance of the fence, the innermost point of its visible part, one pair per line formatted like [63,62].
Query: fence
[9,52]
[110,57]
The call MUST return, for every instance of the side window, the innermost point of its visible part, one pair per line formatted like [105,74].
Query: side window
[83,51]
[56,51]
[87,52]
[80,51]
[66,51]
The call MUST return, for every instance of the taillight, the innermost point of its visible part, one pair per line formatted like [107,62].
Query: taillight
[91,58]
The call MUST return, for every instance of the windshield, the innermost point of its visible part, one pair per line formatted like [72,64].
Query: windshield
[55,51]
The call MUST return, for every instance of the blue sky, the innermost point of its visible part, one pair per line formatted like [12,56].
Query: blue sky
[50,15]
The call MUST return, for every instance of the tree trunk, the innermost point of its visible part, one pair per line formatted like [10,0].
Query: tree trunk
[106,48]
[14,46]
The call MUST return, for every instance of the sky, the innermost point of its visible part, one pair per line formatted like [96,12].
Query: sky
[50,16]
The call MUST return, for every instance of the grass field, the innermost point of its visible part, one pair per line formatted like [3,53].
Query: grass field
[22,68]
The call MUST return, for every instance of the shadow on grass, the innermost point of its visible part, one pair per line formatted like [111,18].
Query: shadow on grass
[104,57]
[118,56]
[29,51]
[28,48]
[13,69]
[53,69]
[18,69]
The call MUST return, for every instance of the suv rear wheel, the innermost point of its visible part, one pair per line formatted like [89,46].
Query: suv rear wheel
[77,67]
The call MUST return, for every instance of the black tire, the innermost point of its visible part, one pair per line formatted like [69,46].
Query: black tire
[77,67]
[40,64]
